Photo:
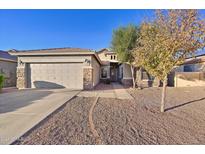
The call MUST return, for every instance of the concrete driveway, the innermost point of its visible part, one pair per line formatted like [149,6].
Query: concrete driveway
[23,109]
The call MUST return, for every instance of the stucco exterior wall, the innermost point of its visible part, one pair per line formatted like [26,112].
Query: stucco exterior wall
[106,56]
[120,75]
[125,74]
[8,68]
[127,71]
[103,57]
[96,71]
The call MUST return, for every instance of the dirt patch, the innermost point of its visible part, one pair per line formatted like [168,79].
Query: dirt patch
[68,126]
[91,123]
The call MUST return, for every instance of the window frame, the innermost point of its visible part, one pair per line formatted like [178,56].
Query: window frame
[103,70]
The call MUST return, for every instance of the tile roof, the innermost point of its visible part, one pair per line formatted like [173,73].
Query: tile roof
[6,55]
[55,51]
[107,50]
[66,49]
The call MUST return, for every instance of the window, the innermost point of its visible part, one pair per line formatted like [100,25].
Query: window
[111,57]
[188,68]
[103,73]
[114,57]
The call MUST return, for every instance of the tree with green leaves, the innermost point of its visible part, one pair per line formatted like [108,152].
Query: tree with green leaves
[1,81]
[165,42]
[123,43]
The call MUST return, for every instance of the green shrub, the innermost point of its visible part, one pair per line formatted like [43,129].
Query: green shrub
[1,81]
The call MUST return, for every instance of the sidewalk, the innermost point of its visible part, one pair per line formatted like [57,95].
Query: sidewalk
[120,91]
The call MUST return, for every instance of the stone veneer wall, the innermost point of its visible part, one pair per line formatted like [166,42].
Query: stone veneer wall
[88,78]
[21,78]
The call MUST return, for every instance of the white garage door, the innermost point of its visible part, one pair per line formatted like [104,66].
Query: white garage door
[62,75]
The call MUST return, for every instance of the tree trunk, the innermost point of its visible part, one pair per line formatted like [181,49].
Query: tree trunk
[139,78]
[133,78]
[163,94]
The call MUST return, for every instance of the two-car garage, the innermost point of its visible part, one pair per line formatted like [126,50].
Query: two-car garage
[55,75]
[71,68]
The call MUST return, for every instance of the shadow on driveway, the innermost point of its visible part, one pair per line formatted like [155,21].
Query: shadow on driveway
[12,101]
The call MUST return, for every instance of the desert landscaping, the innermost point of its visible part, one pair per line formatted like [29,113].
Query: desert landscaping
[117,121]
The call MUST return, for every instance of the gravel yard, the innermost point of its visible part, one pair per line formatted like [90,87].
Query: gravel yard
[68,126]
[135,121]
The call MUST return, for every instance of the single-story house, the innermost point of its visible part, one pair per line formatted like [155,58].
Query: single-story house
[191,73]
[77,68]
[8,65]
[73,68]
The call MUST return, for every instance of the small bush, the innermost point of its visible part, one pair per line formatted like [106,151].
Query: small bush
[1,81]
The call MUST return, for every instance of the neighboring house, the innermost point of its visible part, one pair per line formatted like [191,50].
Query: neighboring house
[8,68]
[191,73]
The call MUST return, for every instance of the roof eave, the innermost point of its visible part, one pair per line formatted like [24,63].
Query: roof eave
[14,53]
[47,53]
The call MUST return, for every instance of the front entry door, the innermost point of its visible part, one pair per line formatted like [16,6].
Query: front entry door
[113,74]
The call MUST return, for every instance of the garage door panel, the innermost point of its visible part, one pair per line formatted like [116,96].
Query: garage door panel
[66,75]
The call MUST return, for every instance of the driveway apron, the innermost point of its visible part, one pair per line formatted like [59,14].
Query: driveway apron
[22,110]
